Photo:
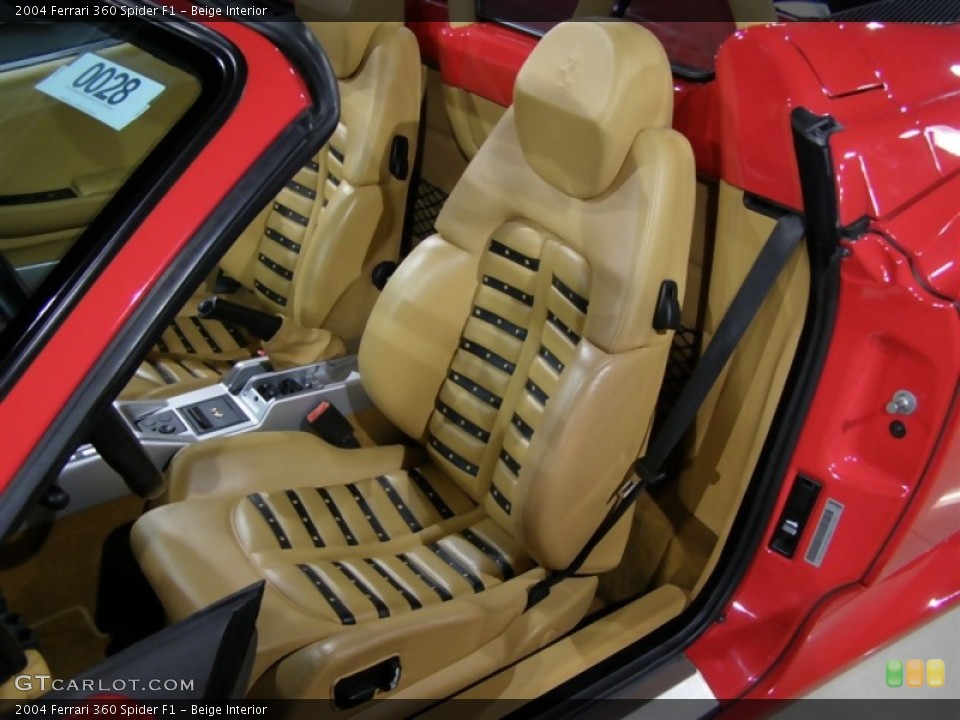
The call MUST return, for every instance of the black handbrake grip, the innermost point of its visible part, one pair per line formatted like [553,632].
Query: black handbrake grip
[259,324]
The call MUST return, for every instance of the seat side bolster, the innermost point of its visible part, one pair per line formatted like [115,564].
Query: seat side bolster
[406,349]
[598,423]
[270,462]
[335,259]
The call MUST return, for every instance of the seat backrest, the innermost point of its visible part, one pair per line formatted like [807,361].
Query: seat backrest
[311,255]
[518,343]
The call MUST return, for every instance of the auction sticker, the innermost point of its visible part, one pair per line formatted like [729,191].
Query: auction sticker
[102,89]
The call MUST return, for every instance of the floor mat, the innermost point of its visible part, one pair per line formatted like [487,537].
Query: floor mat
[50,572]
[429,203]
[70,642]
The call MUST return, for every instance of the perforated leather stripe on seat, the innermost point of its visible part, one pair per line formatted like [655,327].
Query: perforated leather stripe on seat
[531,293]
[372,511]
[360,589]
[196,336]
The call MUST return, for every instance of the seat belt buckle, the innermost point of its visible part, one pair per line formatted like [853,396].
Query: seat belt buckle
[628,486]
[329,423]
[644,474]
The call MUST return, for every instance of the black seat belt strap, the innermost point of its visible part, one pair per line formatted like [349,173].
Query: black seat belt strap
[648,470]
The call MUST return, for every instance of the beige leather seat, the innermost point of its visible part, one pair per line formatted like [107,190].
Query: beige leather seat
[310,256]
[517,346]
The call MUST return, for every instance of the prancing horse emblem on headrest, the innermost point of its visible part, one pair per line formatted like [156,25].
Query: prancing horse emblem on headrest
[569,68]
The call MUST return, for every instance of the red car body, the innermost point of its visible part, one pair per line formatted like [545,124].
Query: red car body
[787,626]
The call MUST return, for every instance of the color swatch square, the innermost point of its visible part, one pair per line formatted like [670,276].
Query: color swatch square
[936,673]
[894,673]
[914,673]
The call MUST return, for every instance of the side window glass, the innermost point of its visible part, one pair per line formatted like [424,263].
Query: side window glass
[80,111]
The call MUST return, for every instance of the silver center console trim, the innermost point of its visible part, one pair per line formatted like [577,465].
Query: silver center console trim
[264,400]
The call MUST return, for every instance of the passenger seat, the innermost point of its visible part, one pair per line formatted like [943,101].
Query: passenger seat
[519,347]
[310,256]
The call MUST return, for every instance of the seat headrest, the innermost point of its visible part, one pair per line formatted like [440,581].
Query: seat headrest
[346,43]
[583,96]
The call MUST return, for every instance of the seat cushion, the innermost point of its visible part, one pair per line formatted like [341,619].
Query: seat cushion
[192,353]
[193,337]
[163,375]
[333,554]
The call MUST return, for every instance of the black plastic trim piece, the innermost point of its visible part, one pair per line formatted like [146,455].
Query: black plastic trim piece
[821,207]
[33,198]
[363,686]
[667,314]
[400,157]
[302,139]
[765,207]
[213,649]
[795,516]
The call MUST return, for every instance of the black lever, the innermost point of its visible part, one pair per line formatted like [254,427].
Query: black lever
[256,322]
[55,498]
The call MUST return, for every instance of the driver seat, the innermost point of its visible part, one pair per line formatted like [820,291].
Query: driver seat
[518,347]
[310,256]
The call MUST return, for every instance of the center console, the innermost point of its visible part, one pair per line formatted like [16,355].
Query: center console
[252,397]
